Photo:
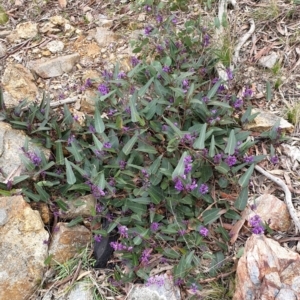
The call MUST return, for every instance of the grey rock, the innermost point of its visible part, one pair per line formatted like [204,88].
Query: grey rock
[11,142]
[22,249]
[3,217]
[104,37]
[54,67]
[25,30]
[3,49]
[81,291]
[155,291]
[19,83]
[269,61]
[55,46]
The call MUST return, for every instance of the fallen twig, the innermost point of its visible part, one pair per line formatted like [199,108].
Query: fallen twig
[207,280]
[288,195]
[65,101]
[242,41]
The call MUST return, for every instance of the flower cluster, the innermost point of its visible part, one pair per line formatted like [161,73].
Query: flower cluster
[257,225]
[34,157]
[156,280]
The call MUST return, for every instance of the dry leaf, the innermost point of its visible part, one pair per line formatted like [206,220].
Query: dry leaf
[62,3]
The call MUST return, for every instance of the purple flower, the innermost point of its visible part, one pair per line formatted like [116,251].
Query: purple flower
[164,127]
[179,281]
[206,39]
[178,185]
[148,29]
[229,74]
[117,246]
[249,159]
[134,61]
[107,75]
[154,226]
[92,128]
[99,208]
[159,18]
[191,186]
[160,48]
[181,232]
[188,139]
[103,89]
[247,93]
[88,83]
[203,189]
[122,164]
[166,69]
[145,173]
[107,145]
[97,238]
[203,231]
[174,20]
[274,159]
[256,224]
[148,8]
[157,279]
[185,83]
[231,160]
[122,75]
[194,288]
[238,103]
[205,99]
[34,158]
[9,184]
[123,231]
[218,158]
[144,259]
[96,191]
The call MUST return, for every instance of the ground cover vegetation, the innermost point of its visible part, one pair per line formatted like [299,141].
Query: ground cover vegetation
[165,139]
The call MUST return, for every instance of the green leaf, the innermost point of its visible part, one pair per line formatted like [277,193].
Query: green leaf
[34,197]
[156,164]
[71,179]
[59,153]
[231,214]
[144,89]
[216,263]
[97,143]
[244,179]
[222,168]
[231,143]
[210,215]
[75,221]
[171,253]
[269,91]
[242,199]
[141,200]
[176,129]
[74,150]
[129,145]
[18,179]
[156,194]
[220,104]
[43,194]
[62,204]
[214,89]
[99,124]
[200,141]
[212,152]
[179,170]
[68,119]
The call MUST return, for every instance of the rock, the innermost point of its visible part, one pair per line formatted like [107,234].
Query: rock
[156,291]
[44,211]
[11,142]
[22,249]
[267,271]
[103,21]
[19,83]
[3,49]
[4,33]
[55,46]
[54,67]
[82,206]
[25,30]
[104,37]
[272,211]
[67,241]
[88,101]
[81,291]
[265,121]
[269,61]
